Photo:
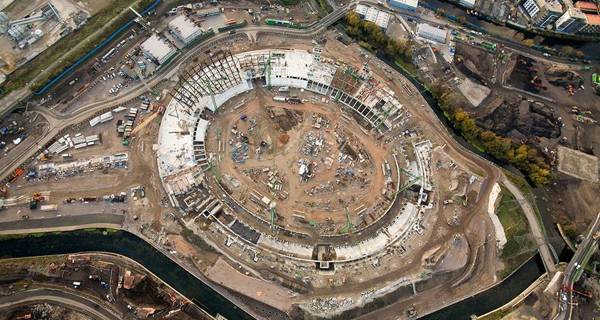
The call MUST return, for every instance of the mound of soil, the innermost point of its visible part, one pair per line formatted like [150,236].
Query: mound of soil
[521,119]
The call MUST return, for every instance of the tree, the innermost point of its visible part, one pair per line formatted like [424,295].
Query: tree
[567,50]
[528,42]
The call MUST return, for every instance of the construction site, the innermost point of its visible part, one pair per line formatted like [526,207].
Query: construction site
[103,278]
[29,27]
[305,174]
[303,169]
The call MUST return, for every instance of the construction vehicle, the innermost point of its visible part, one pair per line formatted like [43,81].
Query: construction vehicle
[586,294]
[36,198]
[18,172]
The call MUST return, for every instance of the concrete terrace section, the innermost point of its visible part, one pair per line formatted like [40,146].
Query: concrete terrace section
[178,160]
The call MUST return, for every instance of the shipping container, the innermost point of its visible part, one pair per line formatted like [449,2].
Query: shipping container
[49,207]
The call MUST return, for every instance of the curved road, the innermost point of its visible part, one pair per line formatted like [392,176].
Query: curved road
[60,297]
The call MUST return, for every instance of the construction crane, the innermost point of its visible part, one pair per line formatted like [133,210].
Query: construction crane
[273,217]
[268,71]
[411,182]
[349,227]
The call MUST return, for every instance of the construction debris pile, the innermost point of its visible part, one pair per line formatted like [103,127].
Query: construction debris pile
[313,144]
[239,152]
[329,304]
[283,118]
[305,169]
[271,178]
[322,188]
[62,170]
[562,77]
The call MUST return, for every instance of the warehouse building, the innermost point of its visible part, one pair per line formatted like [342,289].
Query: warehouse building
[571,21]
[184,29]
[158,49]
[467,3]
[593,24]
[432,33]
[410,5]
[380,18]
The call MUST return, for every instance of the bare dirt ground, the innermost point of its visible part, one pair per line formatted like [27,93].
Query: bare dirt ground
[224,274]
[284,158]
[577,164]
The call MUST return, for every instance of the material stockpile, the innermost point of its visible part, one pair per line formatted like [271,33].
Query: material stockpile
[239,152]
[313,144]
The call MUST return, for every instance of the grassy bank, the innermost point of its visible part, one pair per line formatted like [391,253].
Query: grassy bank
[112,17]
[519,246]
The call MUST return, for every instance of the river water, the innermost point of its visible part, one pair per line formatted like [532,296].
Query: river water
[129,245]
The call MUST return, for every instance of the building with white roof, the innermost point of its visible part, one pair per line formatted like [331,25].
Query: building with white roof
[368,13]
[430,32]
[184,29]
[467,3]
[158,49]
[410,5]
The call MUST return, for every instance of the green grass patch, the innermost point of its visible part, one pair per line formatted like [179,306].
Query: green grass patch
[196,240]
[519,246]
[324,5]
[527,191]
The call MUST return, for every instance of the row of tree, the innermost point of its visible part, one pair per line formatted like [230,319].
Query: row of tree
[520,155]
[371,34]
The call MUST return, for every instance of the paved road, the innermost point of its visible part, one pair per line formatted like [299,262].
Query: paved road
[63,298]
[574,270]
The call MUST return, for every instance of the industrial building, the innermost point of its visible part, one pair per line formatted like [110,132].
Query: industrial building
[380,18]
[184,29]
[571,21]
[542,13]
[588,7]
[410,5]
[467,3]
[593,24]
[158,49]
[429,32]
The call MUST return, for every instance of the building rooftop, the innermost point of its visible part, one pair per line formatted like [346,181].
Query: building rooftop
[410,3]
[593,19]
[380,18]
[158,47]
[183,26]
[587,6]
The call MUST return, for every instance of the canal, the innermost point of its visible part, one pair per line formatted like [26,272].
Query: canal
[129,245]
[495,297]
